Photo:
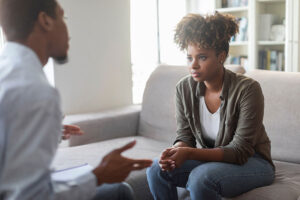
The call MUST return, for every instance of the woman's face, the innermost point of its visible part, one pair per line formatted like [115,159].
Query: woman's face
[204,64]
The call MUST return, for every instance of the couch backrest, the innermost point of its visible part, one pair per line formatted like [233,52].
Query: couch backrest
[282,112]
[157,119]
[282,108]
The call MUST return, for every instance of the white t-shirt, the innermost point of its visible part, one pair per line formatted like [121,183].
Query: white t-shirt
[210,122]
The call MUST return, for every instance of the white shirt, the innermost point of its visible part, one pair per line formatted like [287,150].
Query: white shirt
[30,128]
[210,122]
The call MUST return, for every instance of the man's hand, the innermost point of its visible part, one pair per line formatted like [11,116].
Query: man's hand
[115,168]
[69,130]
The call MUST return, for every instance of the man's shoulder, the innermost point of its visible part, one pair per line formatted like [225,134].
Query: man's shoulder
[25,95]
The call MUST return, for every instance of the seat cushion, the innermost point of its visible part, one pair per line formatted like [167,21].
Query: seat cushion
[92,154]
[286,185]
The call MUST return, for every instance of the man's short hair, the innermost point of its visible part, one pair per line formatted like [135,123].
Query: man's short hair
[17,17]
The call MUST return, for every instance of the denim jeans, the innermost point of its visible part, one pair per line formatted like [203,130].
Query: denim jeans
[117,191]
[210,180]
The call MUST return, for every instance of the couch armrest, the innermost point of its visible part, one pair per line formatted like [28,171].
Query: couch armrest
[105,125]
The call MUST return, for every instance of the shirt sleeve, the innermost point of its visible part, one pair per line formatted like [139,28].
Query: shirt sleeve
[184,132]
[249,125]
[39,126]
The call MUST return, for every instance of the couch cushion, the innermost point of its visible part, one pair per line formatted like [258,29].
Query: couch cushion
[157,118]
[282,112]
[92,154]
[286,185]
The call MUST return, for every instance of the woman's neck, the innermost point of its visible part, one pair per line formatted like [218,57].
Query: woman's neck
[215,85]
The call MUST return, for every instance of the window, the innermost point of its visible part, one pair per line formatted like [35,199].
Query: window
[1,38]
[144,44]
[49,71]
[152,33]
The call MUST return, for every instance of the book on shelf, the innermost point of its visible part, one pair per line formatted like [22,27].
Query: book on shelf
[243,33]
[271,60]
[238,60]
[234,3]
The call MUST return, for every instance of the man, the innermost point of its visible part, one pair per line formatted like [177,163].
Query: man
[30,114]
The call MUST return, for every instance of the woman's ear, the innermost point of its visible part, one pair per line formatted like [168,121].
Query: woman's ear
[45,21]
[222,57]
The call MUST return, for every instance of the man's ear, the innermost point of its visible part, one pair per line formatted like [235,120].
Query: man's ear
[45,21]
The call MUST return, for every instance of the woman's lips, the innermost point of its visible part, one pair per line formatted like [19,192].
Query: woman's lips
[195,74]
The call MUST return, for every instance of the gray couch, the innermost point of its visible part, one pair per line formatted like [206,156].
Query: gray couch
[153,126]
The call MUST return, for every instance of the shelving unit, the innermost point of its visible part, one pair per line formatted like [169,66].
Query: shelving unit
[286,12]
[271,52]
[240,50]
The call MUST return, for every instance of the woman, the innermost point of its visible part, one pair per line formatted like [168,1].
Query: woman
[220,110]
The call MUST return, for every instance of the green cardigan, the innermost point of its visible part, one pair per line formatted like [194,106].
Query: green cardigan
[241,131]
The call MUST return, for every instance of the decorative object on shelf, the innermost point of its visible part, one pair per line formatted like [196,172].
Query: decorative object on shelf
[243,27]
[265,24]
[277,32]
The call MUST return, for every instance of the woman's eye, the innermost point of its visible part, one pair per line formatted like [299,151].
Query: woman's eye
[202,58]
[189,59]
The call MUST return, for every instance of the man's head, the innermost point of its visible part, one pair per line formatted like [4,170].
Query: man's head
[38,22]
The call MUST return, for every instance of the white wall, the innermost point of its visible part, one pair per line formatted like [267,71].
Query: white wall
[98,74]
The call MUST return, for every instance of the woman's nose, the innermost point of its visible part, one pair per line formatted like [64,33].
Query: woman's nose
[195,64]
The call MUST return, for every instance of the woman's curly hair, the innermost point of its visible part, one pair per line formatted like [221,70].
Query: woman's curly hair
[211,32]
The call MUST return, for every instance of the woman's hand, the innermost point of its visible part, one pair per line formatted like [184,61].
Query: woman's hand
[173,157]
[179,155]
[69,130]
[165,163]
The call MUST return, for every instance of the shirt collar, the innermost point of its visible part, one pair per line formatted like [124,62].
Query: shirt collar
[18,50]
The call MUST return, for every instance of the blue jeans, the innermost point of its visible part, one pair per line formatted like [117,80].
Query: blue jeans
[210,180]
[117,191]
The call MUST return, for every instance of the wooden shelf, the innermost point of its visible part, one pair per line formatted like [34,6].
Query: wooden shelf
[238,43]
[271,1]
[271,43]
[232,9]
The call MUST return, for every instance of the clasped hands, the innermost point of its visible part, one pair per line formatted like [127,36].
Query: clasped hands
[173,157]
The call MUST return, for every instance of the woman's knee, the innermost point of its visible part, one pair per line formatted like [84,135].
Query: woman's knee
[202,176]
[153,170]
